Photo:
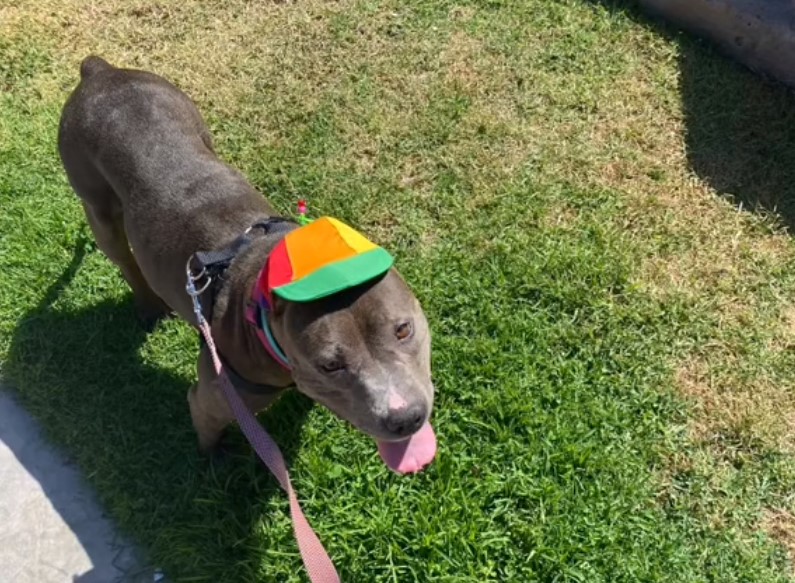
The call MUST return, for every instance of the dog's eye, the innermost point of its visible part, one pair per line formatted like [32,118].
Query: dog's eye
[404,330]
[332,366]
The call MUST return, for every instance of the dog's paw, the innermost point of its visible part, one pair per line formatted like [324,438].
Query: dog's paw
[218,452]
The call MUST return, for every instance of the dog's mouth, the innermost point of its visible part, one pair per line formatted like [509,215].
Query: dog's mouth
[410,455]
[406,456]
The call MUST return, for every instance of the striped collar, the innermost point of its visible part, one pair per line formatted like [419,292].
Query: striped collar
[257,315]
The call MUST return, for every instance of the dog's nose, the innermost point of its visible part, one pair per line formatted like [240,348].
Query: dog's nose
[405,421]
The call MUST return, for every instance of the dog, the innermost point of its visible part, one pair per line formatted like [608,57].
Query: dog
[140,158]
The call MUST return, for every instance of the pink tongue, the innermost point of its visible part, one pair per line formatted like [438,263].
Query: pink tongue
[411,455]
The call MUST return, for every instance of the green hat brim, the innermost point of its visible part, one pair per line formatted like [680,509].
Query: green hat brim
[337,277]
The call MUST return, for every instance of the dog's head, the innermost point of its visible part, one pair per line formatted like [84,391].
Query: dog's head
[364,353]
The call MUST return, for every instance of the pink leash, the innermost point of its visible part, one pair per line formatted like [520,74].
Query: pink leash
[316,560]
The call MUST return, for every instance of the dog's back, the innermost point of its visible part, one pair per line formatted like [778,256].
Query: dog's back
[139,156]
[136,128]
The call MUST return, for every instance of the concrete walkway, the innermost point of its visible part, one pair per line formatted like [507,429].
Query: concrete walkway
[51,528]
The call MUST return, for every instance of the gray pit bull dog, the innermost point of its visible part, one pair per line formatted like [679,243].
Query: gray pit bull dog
[140,157]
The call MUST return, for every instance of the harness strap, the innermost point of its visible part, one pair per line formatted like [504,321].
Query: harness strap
[210,266]
[213,264]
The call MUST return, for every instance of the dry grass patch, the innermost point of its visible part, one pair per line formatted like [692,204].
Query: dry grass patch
[779,524]
[462,61]
[789,322]
[560,216]
[734,409]
[218,52]
[699,246]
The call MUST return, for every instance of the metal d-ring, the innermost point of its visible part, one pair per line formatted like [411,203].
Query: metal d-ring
[190,287]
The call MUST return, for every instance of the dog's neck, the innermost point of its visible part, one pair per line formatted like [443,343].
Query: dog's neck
[238,340]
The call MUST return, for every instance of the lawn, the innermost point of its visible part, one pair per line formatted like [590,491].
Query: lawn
[592,209]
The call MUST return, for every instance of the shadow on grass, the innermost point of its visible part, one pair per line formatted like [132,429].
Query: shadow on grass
[126,424]
[740,128]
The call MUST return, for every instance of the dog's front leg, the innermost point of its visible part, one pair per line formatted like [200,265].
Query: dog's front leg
[209,409]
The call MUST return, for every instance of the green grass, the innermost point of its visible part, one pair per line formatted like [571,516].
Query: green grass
[603,319]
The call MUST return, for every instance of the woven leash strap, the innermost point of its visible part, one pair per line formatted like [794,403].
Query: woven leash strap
[316,560]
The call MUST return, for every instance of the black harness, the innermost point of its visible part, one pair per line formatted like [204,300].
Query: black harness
[211,267]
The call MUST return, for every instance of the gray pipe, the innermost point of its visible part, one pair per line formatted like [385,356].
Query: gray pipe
[758,33]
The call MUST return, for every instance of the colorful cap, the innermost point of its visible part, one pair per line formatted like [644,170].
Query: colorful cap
[320,259]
